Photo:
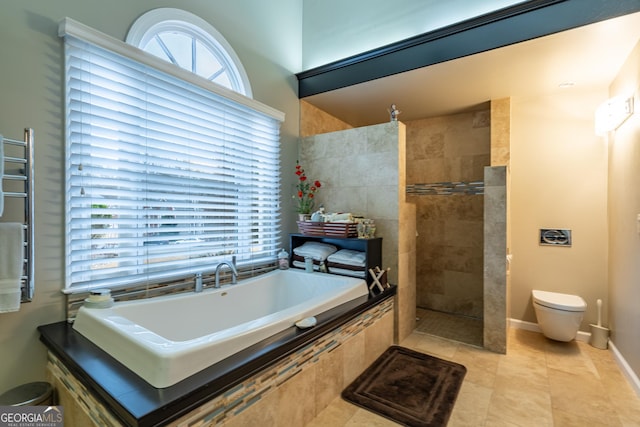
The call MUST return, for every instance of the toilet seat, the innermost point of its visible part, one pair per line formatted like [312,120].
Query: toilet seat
[558,301]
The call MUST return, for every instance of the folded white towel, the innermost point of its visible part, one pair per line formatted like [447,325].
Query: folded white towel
[316,250]
[300,264]
[339,217]
[1,174]
[11,265]
[345,272]
[349,257]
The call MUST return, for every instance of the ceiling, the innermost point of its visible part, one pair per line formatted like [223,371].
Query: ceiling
[587,58]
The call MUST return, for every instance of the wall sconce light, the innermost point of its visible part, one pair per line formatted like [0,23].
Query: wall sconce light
[612,113]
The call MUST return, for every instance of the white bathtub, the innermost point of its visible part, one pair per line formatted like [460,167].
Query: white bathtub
[166,339]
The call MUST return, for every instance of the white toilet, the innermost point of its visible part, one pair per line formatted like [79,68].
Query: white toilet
[559,315]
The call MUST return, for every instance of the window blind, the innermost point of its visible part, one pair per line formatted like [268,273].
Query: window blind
[164,178]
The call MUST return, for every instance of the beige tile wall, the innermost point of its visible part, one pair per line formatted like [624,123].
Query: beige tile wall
[500,132]
[314,121]
[406,301]
[497,278]
[495,259]
[358,169]
[442,268]
[362,171]
[449,247]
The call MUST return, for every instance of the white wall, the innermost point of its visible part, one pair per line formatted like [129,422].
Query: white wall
[362,25]
[624,208]
[558,180]
[265,35]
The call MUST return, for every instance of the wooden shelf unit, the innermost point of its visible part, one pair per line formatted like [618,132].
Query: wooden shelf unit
[371,247]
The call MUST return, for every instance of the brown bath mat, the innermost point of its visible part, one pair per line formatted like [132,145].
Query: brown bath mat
[410,388]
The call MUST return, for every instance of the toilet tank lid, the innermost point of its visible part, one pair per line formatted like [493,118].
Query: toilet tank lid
[559,301]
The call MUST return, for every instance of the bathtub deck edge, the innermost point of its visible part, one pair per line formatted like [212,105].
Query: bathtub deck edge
[137,403]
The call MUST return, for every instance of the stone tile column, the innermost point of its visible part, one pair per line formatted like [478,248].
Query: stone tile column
[495,259]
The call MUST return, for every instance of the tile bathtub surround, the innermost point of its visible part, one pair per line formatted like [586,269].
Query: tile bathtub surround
[305,395]
[538,382]
[318,370]
[80,407]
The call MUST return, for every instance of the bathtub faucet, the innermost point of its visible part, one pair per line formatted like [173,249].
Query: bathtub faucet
[232,267]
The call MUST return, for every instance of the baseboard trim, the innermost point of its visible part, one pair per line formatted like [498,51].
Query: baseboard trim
[631,376]
[530,326]
[521,324]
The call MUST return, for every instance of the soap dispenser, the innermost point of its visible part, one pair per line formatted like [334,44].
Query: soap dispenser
[283,260]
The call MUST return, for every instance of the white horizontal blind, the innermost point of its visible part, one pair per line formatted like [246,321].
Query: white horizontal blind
[164,178]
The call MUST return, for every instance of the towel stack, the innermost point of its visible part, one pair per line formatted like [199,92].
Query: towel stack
[11,265]
[348,263]
[314,250]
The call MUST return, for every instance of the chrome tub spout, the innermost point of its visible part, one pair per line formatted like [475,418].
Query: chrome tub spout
[232,267]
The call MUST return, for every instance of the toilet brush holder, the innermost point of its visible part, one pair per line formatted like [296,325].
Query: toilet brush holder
[599,337]
[599,334]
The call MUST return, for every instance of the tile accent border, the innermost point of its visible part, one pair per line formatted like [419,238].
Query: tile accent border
[82,398]
[143,291]
[234,401]
[447,188]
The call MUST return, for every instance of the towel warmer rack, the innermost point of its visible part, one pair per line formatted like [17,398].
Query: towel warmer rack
[18,181]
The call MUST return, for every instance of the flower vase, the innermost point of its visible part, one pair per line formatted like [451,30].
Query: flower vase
[304,217]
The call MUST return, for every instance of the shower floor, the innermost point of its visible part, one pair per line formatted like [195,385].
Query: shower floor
[463,329]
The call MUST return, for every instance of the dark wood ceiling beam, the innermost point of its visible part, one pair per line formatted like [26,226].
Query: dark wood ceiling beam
[514,24]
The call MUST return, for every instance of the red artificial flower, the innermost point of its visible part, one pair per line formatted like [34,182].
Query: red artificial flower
[306,190]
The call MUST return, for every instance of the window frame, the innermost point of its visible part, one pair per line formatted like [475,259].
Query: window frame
[88,35]
[160,20]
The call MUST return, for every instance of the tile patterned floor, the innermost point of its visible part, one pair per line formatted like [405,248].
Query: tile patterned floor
[538,383]
[458,328]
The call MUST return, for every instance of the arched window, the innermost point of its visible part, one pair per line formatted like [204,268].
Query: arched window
[167,174]
[189,42]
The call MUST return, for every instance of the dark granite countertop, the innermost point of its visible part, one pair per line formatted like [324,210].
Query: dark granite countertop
[136,403]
